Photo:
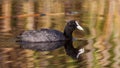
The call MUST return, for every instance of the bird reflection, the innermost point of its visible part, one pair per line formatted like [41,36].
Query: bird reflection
[48,46]
[41,46]
[71,51]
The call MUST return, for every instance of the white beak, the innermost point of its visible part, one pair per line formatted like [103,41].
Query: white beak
[78,26]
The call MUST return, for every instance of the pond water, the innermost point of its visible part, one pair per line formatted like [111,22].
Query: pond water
[98,53]
[34,55]
[29,55]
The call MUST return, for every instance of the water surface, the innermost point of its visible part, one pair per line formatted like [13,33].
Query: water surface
[101,45]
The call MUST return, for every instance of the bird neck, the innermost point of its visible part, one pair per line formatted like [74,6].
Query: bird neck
[68,34]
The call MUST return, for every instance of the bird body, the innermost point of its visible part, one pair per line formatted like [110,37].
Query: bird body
[49,35]
[42,35]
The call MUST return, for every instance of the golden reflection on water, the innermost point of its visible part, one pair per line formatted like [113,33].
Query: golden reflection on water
[102,50]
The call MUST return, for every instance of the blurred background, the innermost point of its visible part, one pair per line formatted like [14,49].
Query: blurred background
[99,18]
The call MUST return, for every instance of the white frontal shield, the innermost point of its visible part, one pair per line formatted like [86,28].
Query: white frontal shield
[78,26]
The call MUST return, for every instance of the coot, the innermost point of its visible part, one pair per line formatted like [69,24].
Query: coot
[48,35]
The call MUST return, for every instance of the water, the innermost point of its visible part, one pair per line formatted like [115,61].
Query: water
[100,38]
[30,55]
[96,55]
